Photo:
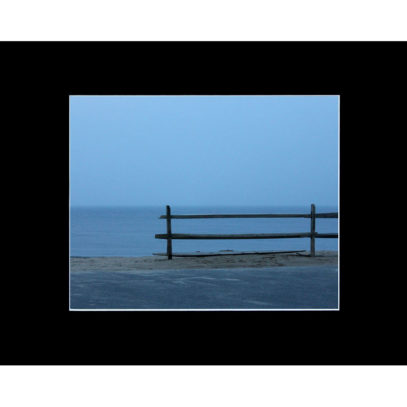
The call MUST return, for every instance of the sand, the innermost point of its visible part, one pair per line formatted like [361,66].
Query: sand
[211,262]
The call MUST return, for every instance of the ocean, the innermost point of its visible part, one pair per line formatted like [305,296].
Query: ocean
[129,231]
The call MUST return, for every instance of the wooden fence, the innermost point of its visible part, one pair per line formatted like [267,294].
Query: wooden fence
[169,236]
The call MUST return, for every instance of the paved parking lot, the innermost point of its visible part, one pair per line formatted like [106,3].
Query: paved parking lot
[249,288]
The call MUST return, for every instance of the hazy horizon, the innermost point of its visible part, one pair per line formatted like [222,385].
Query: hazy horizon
[195,205]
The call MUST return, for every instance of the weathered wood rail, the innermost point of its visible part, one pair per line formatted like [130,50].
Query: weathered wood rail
[312,235]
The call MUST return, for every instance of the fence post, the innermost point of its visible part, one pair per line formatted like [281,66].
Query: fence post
[312,230]
[169,240]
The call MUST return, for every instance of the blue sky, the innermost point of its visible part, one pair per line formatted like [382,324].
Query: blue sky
[203,150]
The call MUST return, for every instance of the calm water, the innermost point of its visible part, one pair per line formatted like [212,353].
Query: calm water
[122,231]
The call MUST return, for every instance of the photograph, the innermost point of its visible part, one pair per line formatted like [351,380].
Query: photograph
[198,207]
[204,202]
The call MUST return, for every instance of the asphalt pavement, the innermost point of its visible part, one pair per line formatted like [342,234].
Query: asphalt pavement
[221,289]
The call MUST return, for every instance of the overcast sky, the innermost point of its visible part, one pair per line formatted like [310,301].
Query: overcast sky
[203,150]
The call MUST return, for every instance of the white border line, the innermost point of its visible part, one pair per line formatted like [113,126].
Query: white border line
[69,199]
[339,204]
[202,309]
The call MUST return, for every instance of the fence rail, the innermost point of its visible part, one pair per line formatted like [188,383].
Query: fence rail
[312,235]
[260,215]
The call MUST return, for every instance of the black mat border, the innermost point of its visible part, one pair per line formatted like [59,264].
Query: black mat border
[38,79]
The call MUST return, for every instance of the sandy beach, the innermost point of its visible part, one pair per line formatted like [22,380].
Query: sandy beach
[210,262]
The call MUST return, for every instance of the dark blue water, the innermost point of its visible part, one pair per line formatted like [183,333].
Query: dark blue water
[125,231]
